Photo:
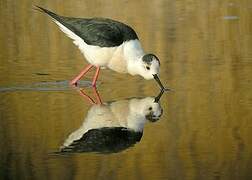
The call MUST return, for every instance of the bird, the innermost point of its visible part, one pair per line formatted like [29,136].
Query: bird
[107,43]
[113,126]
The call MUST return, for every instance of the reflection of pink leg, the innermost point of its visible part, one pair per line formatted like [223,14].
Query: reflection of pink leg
[96,76]
[83,94]
[82,73]
[97,96]
[90,100]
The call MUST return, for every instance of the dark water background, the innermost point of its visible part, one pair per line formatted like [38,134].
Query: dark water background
[206,57]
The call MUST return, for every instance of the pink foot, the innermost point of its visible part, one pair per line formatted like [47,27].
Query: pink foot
[72,83]
[94,84]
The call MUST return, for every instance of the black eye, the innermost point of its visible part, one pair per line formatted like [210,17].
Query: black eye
[150,108]
[148,68]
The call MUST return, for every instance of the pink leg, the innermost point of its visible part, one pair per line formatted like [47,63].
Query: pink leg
[96,76]
[82,73]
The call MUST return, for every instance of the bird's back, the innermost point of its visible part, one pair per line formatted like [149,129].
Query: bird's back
[102,32]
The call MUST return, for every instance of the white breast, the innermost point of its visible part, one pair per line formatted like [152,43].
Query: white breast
[115,58]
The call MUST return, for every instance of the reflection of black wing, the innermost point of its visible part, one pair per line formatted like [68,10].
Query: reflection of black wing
[105,140]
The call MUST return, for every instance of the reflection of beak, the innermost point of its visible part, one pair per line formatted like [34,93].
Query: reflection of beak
[159,96]
[159,83]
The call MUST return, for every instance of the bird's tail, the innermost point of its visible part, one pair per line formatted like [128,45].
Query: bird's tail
[69,30]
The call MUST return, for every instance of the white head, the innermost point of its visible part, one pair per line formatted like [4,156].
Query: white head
[149,66]
[148,107]
[152,110]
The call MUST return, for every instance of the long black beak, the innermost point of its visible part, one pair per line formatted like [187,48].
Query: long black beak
[159,83]
[159,96]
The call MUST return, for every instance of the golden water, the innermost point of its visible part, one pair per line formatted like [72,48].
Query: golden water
[205,53]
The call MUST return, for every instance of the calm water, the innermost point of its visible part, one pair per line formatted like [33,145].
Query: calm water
[205,130]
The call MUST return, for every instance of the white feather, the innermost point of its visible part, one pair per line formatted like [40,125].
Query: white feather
[79,42]
[99,56]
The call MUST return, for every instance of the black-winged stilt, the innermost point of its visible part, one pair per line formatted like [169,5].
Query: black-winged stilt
[113,126]
[108,43]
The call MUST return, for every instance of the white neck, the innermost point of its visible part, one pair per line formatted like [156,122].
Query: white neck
[135,119]
[133,53]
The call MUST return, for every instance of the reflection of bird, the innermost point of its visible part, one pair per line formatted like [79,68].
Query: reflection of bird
[107,43]
[113,127]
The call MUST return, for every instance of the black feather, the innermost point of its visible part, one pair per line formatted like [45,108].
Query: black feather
[148,58]
[104,140]
[101,32]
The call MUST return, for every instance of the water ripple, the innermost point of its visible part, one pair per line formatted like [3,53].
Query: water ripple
[62,85]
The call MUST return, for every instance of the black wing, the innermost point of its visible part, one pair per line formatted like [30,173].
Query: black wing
[96,31]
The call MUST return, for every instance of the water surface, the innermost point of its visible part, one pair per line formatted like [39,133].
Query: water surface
[205,53]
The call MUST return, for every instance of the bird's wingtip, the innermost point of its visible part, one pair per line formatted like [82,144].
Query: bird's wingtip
[38,8]
[43,10]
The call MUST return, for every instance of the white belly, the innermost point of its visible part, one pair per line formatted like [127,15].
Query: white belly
[98,56]
[110,57]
